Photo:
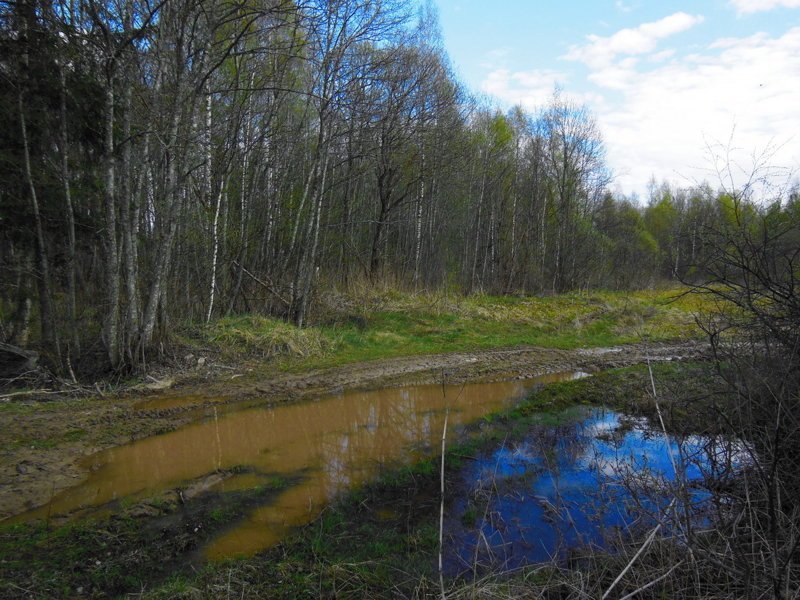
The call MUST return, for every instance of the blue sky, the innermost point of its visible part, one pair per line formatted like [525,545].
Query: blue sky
[672,84]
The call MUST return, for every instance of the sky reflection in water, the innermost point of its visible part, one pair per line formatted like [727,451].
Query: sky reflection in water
[585,483]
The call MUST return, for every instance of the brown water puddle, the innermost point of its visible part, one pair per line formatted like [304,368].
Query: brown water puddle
[336,443]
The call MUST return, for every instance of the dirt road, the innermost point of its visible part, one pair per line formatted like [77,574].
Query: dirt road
[46,445]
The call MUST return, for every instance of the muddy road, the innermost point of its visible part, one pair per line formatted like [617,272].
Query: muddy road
[45,443]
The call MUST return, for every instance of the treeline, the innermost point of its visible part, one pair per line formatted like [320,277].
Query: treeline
[176,160]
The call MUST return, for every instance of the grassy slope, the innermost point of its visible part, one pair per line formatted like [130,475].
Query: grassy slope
[396,324]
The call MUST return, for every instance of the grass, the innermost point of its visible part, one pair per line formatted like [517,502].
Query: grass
[265,337]
[395,324]
[353,549]
[124,553]
[46,443]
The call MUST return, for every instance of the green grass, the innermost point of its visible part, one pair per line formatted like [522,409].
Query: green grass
[38,443]
[397,324]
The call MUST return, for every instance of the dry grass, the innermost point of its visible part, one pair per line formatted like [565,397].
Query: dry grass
[266,337]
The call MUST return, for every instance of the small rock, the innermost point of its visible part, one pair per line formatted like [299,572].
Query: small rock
[201,361]
[22,469]
[189,357]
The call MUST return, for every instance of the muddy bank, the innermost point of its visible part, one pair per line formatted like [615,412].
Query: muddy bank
[44,443]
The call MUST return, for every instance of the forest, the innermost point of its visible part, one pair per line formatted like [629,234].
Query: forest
[172,162]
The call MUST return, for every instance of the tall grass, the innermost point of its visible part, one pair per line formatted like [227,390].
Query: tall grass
[386,323]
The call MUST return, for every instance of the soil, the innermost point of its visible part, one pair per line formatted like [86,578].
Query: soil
[46,444]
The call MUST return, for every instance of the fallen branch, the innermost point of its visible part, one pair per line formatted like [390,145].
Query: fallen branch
[644,546]
[267,286]
[652,583]
[7,397]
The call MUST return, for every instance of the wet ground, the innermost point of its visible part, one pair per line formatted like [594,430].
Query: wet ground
[327,447]
[50,446]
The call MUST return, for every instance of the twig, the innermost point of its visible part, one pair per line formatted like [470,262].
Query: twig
[441,504]
[644,546]
[655,581]
[267,286]
[661,420]
[6,397]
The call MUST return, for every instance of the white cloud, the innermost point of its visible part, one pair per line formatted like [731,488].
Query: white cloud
[533,89]
[496,56]
[623,7]
[659,110]
[662,56]
[530,89]
[639,40]
[668,114]
[753,6]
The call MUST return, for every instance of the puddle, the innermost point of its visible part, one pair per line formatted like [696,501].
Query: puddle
[335,443]
[583,485]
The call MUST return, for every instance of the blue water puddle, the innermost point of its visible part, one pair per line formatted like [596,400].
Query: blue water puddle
[589,483]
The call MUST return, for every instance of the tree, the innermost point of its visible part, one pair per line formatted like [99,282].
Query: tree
[750,262]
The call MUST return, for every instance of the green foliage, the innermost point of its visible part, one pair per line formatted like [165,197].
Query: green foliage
[501,131]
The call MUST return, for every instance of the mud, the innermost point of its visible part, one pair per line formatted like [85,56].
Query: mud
[43,444]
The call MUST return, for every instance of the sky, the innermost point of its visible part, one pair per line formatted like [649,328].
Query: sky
[676,87]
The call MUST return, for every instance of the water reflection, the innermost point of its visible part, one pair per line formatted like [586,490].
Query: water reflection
[588,483]
[335,443]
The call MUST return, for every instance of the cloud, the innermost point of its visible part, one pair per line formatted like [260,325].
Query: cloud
[662,56]
[533,89]
[600,51]
[668,114]
[753,6]
[530,89]
[623,7]
[659,109]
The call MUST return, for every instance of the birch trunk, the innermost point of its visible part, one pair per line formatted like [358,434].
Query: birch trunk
[111,324]
[215,234]
[70,215]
